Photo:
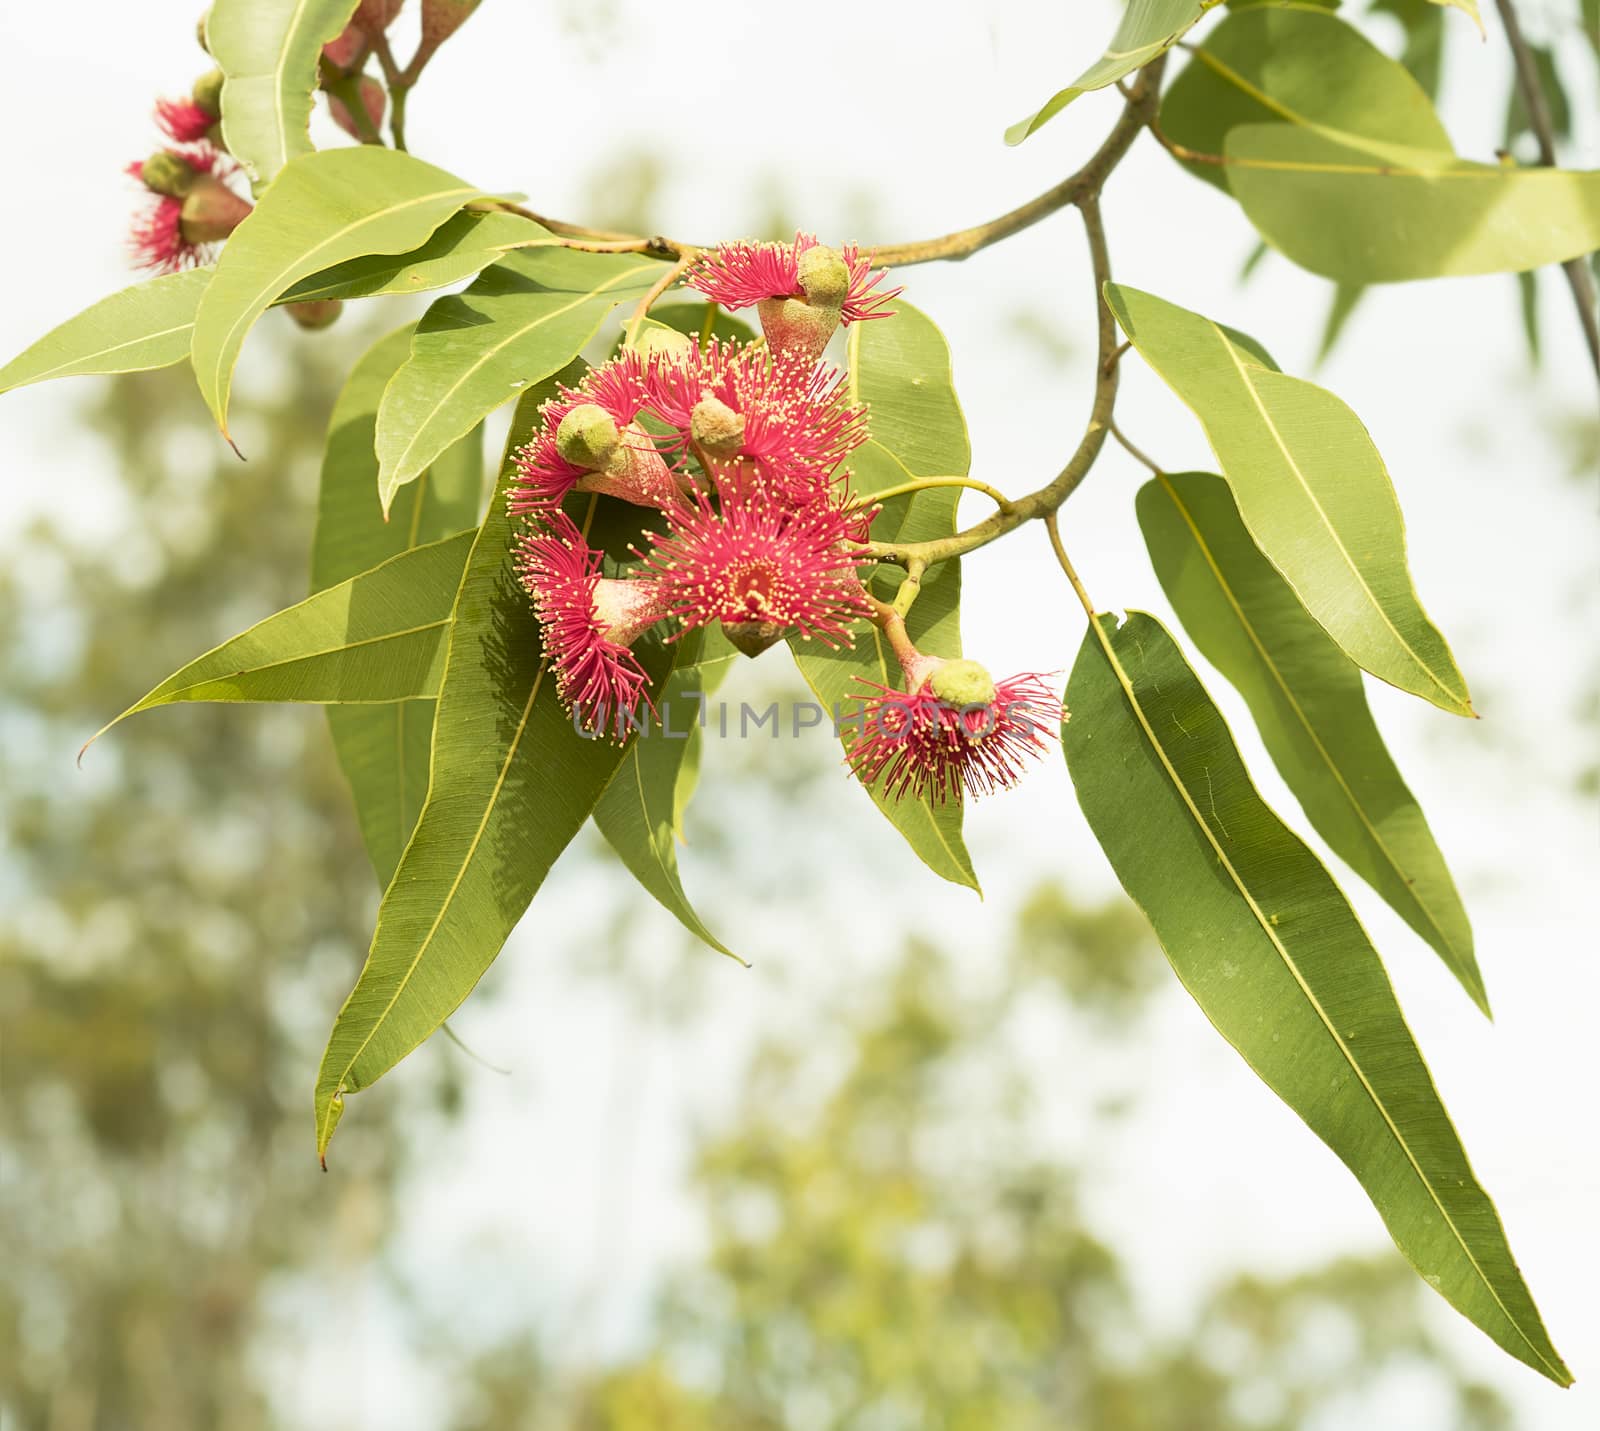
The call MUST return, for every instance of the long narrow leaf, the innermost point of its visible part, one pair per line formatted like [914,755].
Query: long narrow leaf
[1261,936]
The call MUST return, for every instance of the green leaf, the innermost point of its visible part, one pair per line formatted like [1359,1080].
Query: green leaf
[1149,28]
[323,209]
[268,52]
[1360,214]
[462,246]
[1311,488]
[640,809]
[383,749]
[524,318]
[511,782]
[146,326]
[1337,157]
[901,367]
[1466,7]
[377,637]
[1307,68]
[1308,703]
[1261,936]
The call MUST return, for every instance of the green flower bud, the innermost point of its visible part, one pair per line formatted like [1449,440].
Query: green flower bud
[962,683]
[166,173]
[207,93]
[824,276]
[588,437]
[716,427]
[669,342]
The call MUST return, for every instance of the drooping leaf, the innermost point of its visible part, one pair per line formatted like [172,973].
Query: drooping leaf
[376,637]
[1308,703]
[1468,8]
[1273,64]
[463,245]
[901,367]
[1311,488]
[322,209]
[511,782]
[383,749]
[1262,938]
[268,52]
[1358,213]
[528,315]
[639,811]
[1148,28]
[146,326]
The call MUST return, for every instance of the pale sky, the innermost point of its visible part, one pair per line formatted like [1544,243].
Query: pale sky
[909,122]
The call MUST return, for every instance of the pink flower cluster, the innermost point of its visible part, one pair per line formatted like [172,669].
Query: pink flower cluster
[193,188]
[739,449]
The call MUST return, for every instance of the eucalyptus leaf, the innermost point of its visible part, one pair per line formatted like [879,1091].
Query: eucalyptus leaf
[640,810]
[1149,28]
[146,326]
[1274,64]
[1262,938]
[322,209]
[510,783]
[464,245]
[900,366]
[1308,703]
[377,637]
[1358,213]
[268,51]
[383,749]
[528,315]
[1312,490]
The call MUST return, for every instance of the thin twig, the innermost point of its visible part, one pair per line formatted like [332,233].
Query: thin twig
[1537,105]
[1045,501]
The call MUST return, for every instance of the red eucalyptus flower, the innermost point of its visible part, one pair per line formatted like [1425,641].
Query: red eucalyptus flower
[588,622]
[760,566]
[804,290]
[954,728]
[182,120]
[589,439]
[192,207]
[767,414]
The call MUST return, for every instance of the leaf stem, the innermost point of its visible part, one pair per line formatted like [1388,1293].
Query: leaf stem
[1537,105]
[660,286]
[1051,526]
[1138,454]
